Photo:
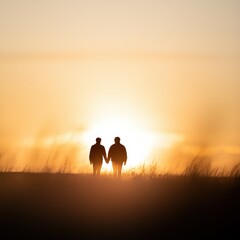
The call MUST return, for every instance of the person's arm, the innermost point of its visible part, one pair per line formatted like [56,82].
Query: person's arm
[104,155]
[90,155]
[109,154]
[125,156]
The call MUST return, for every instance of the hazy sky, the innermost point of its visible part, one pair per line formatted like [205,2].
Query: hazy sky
[172,65]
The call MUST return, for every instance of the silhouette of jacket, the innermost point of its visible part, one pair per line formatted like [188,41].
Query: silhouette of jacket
[117,153]
[97,153]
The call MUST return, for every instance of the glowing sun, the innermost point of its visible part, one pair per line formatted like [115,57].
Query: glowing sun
[138,141]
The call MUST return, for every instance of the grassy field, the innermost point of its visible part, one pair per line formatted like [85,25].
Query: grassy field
[71,206]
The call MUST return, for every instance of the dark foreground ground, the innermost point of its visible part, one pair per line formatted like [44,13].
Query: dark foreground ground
[55,206]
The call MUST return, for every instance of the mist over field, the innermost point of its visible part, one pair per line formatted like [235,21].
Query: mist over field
[165,77]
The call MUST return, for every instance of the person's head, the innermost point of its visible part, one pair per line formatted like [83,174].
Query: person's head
[117,139]
[98,140]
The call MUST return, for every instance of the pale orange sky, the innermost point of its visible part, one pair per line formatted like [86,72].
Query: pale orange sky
[172,66]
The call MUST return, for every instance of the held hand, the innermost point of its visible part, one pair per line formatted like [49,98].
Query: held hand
[91,163]
[124,163]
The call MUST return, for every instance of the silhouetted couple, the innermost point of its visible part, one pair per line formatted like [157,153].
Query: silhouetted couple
[117,154]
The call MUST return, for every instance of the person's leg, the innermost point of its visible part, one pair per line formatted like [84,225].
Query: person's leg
[114,165]
[99,166]
[119,169]
[94,169]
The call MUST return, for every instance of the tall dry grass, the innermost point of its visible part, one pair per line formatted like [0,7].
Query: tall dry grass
[64,158]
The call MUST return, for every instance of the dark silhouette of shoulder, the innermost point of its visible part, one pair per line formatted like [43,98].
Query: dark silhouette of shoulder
[97,152]
[118,153]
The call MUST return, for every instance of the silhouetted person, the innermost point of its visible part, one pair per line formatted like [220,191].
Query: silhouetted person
[118,154]
[96,155]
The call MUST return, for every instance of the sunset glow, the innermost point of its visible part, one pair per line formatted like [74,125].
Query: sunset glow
[119,119]
[140,141]
[164,76]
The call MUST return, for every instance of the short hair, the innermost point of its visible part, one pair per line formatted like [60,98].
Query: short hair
[98,139]
[117,139]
